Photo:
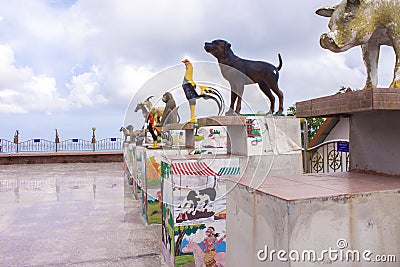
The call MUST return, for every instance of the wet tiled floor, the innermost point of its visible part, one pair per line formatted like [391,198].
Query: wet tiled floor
[72,215]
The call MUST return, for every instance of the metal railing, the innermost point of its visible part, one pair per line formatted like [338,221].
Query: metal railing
[7,146]
[69,145]
[330,156]
[110,143]
[75,144]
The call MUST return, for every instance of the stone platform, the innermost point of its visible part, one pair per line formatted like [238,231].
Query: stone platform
[374,126]
[313,212]
[374,99]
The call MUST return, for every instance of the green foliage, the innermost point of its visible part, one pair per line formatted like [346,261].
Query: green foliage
[313,126]
[189,229]
[153,212]
[291,111]
[184,260]
[342,90]
[166,170]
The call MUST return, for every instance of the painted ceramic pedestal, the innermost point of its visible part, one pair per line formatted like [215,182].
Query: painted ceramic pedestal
[337,219]
[270,145]
[150,174]
[130,168]
[203,139]
[194,208]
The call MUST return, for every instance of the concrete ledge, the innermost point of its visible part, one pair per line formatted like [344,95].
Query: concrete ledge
[350,103]
[178,126]
[222,121]
[61,157]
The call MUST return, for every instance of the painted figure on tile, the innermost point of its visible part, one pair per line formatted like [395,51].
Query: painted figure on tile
[199,255]
[210,138]
[208,246]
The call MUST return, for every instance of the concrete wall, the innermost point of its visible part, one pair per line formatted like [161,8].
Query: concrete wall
[279,135]
[259,168]
[256,220]
[375,145]
[279,153]
[340,131]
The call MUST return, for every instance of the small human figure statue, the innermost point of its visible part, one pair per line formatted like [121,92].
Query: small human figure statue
[151,127]
[208,246]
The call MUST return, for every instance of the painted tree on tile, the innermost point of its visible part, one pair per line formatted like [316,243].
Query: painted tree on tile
[181,231]
[153,170]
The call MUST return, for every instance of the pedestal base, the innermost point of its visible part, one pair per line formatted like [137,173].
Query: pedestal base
[348,212]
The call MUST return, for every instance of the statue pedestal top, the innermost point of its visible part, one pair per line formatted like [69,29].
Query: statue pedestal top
[350,103]
[374,126]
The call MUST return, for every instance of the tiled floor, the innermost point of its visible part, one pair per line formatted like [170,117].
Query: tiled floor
[72,215]
[324,185]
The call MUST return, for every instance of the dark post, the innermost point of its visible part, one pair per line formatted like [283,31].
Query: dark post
[94,138]
[16,138]
[305,154]
[57,140]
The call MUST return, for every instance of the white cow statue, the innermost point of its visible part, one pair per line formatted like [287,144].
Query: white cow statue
[369,23]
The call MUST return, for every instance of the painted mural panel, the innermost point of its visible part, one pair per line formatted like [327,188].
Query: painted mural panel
[211,140]
[151,168]
[199,203]
[256,137]
[140,175]
[201,244]
[129,162]
[194,210]
[168,245]
[153,206]
[139,165]
[153,171]
[177,138]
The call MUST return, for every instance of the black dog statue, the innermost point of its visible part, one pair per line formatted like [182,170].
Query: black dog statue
[239,72]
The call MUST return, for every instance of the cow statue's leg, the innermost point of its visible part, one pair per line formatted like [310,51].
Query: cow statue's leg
[396,78]
[370,52]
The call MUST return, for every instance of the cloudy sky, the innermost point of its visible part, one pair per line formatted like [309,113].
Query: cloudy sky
[76,64]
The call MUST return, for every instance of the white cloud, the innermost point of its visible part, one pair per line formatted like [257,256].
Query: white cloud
[85,89]
[116,84]
[22,91]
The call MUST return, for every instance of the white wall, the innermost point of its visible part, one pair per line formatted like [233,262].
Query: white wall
[340,131]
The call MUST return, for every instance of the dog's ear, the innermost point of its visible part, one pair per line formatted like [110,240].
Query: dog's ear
[226,48]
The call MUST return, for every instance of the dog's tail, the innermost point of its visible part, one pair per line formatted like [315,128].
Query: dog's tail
[280,62]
